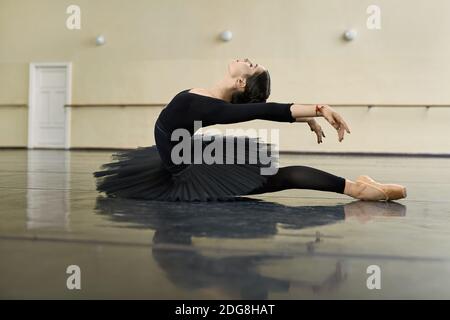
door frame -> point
(32, 100)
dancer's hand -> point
(314, 125)
(335, 119)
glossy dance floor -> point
(294, 244)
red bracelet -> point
(318, 109)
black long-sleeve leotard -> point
(187, 107)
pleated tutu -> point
(141, 173)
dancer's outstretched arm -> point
(216, 111)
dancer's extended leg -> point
(303, 177)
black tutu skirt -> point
(141, 173)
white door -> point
(48, 95)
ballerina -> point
(151, 172)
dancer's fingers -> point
(341, 122)
(347, 128)
(341, 132)
(319, 139)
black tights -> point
(302, 177)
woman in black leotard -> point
(153, 173)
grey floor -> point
(296, 244)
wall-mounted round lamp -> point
(100, 40)
(350, 35)
(226, 35)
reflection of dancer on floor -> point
(187, 266)
(151, 173)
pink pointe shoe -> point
(387, 192)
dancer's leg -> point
(302, 177)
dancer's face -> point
(241, 69)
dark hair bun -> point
(256, 90)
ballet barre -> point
(367, 105)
